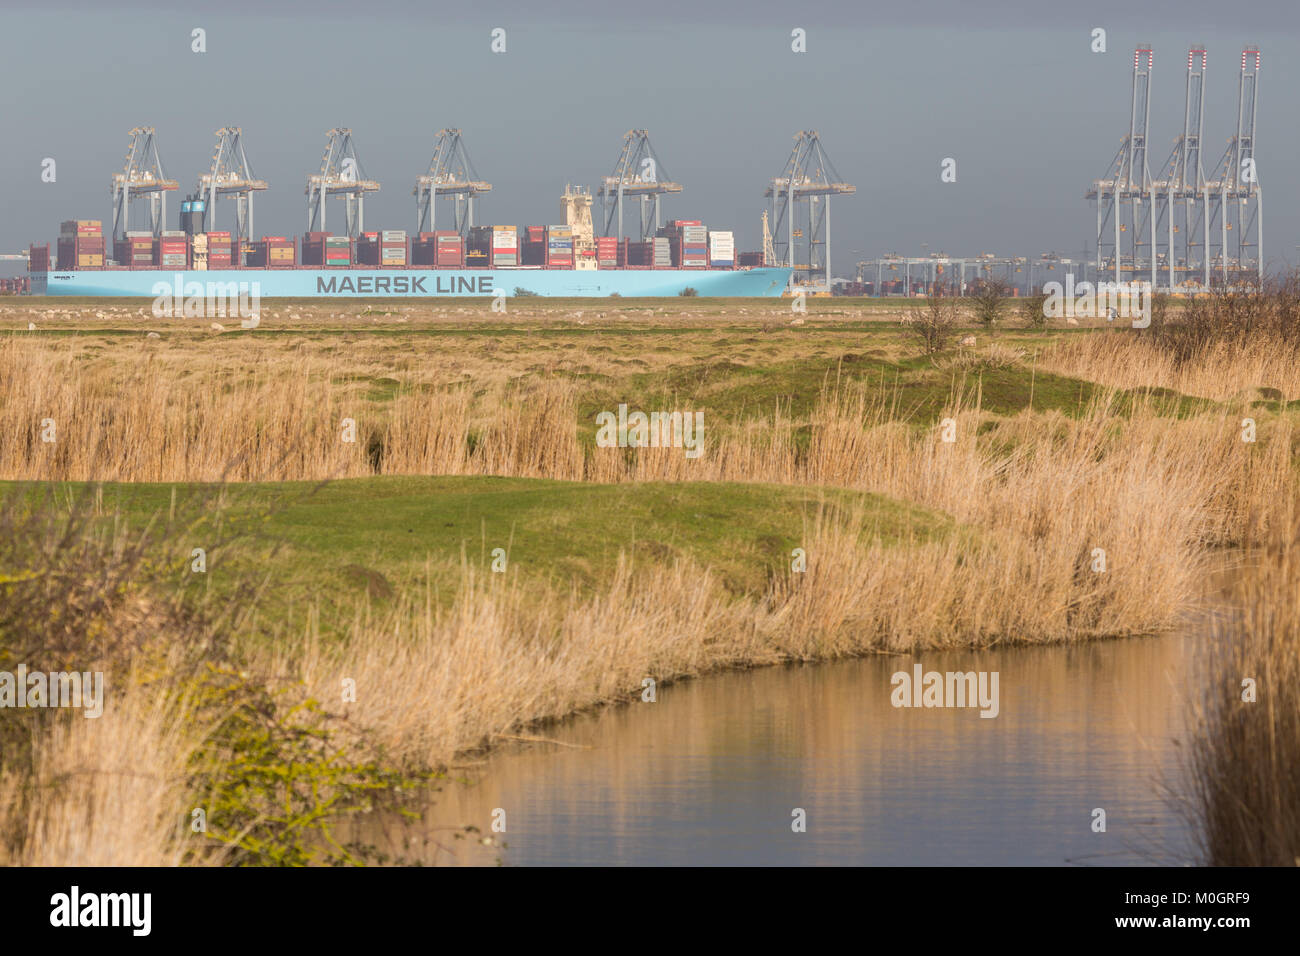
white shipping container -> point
(393, 235)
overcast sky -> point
(1008, 88)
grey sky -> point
(1008, 89)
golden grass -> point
(106, 791)
(1121, 360)
(434, 682)
(1244, 760)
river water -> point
(712, 772)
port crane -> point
(808, 177)
(638, 175)
(231, 175)
(1236, 203)
(1120, 194)
(340, 175)
(142, 177)
(1181, 200)
(450, 174)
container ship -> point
(683, 257)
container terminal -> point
(567, 258)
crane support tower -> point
(1123, 196)
(340, 175)
(1235, 200)
(451, 174)
(142, 177)
(638, 175)
(1181, 201)
(231, 175)
(808, 177)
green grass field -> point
(336, 542)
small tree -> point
(688, 291)
(990, 298)
(1033, 311)
(933, 321)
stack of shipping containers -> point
(722, 250)
(199, 252)
(636, 255)
(478, 249)
(559, 247)
(451, 249)
(532, 251)
(338, 252)
(688, 242)
(81, 244)
(442, 250)
(663, 252)
(368, 249)
(135, 251)
(505, 246)
(424, 249)
(682, 244)
(392, 248)
(280, 252)
(272, 252)
(38, 257)
(171, 249)
(607, 252)
(313, 248)
(386, 249)
(219, 251)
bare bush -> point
(933, 321)
(990, 300)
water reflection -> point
(710, 773)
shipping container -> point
(38, 257)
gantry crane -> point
(1234, 193)
(141, 177)
(638, 175)
(231, 175)
(340, 175)
(450, 174)
(808, 176)
(1123, 196)
(1181, 200)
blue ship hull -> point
(416, 283)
